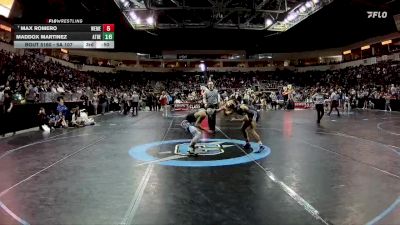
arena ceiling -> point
(213, 24)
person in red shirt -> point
(164, 103)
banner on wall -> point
(186, 106)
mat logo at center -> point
(209, 148)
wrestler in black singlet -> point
(251, 113)
(191, 118)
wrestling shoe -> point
(260, 149)
(247, 145)
(192, 151)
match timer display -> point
(72, 36)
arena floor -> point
(130, 170)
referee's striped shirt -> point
(211, 97)
(318, 98)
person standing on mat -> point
(192, 124)
(103, 102)
(164, 103)
(249, 119)
(135, 103)
(347, 105)
(211, 100)
(318, 98)
(335, 103)
(387, 102)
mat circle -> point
(141, 153)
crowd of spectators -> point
(30, 79)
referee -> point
(319, 104)
(211, 100)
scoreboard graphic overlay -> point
(72, 36)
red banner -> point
(186, 106)
(302, 105)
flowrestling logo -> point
(377, 14)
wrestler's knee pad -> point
(185, 124)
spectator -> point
(63, 112)
(8, 119)
(387, 102)
(103, 102)
(95, 103)
(135, 103)
(44, 120)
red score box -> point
(108, 27)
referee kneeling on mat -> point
(211, 100)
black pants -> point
(151, 106)
(103, 107)
(335, 105)
(289, 105)
(273, 105)
(212, 119)
(126, 107)
(135, 106)
(320, 111)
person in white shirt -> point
(393, 89)
(60, 89)
(335, 103)
(318, 98)
(80, 118)
(95, 103)
(263, 104)
(346, 106)
(274, 100)
(135, 103)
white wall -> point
(395, 57)
(368, 61)
(365, 62)
(172, 54)
(211, 69)
(104, 55)
(99, 69)
(242, 69)
(62, 62)
(313, 68)
(200, 52)
(373, 40)
(82, 67)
